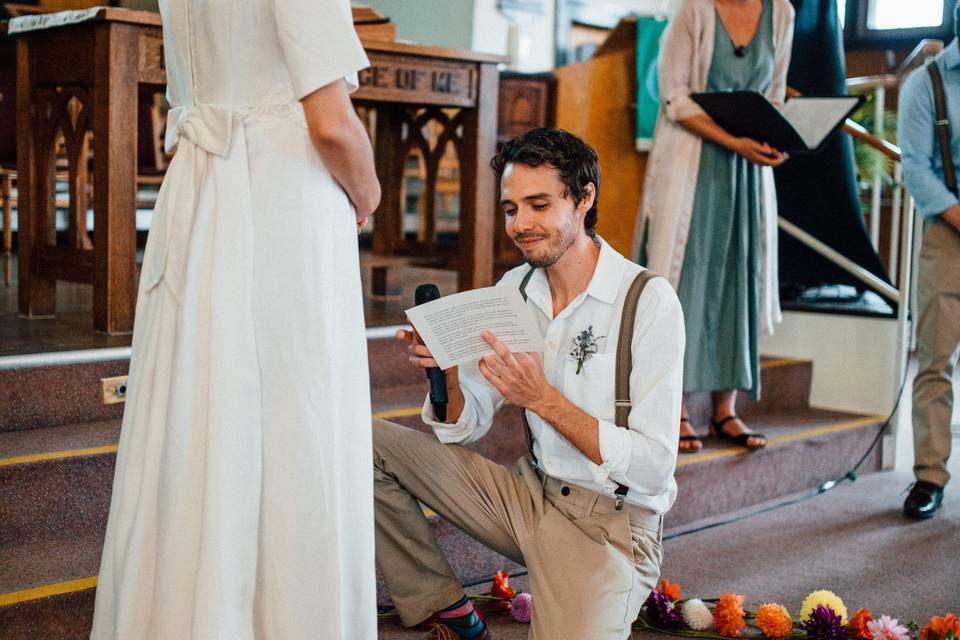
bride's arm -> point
(342, 142)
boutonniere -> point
(584, 346)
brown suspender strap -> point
(942, 127)
(624, 362)
(526, 425)
(624, 351)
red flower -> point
(858, 625)
(501, 588)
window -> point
(898, 14)
(895, 23)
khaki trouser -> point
(590, 567)
(938, 339)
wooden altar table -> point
(84, 78)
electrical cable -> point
(850, 475)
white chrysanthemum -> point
(697, 615)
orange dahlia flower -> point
(858, 625)
(940, 626)
(671, 589)
(728, 615)
(774, 621)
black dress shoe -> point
(923, 501)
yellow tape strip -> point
(112, 448)
(800, 434)
(47, 590)
(778, 362)
(398, 413)
(58, 455)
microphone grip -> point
(438, 392)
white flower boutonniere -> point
(584, 346)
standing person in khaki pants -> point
(929, 133)
(585, 513)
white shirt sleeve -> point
(481, 401)
(319, 43)
(644, 456)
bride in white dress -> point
(243, 497)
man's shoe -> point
(923, 501)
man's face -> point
(540, 220)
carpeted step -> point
(47, 587)
(56, 481)
(805, 449)
(784, 386)
(50, 396)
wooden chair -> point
(8, 153)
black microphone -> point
(438, 379)
(739, 51)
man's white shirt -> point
(642, 457)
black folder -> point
(749, 114)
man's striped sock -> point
(462, 619)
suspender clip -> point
(618, 502)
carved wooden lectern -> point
(83, 78)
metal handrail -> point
(892, 152)
(887, 291)
(885, 147)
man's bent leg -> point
(487, 501)
(590, 568)
(938, 337)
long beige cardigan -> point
(671, 181)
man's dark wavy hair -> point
(572, 157)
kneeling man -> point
(584, 514)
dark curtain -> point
(818, 192)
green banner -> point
(649, 30)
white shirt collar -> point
(604, 286)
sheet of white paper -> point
(451, 326)
(40, 21)
(814, 118)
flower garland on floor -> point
(823, 616)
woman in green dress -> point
(707, 205)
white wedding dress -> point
(243, 498)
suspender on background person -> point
(942, 127)
(624, 363)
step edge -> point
(786, 438)
(43, 591)
(67, 454)
(86, 356)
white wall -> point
(526, 38)
(445, 23)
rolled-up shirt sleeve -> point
(643, 457)
(918, 144)
(480, 402)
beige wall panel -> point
(593, 101)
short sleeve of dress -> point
(319, 43)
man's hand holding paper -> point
(451, 327)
